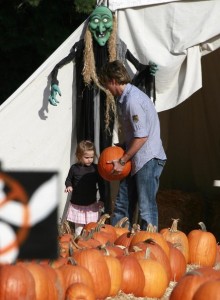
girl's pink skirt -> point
(84, 214)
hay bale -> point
(176, 204)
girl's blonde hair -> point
(84, 146)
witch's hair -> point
(89, 70)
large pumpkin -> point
(156, 280)
(191, 282)
(41, 279)
(105, 168)
(208, 290)
(76, 274)
(177, 237)
(202, 247)
(115, 271)
(94, 261)
(79, 290)
(16, 282)
(133, 279)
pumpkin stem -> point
(103, 218)
(85, 235)
(62, 249)
(135, 228)
(103, 247)
(126, 252)
(98, 227)
(136, 248)
(75, 245)
(202, 225)
(64, 228)
(174, 225)
(123, 221)
(151, 228)
(91, 233)
(72, 261)
(147, 253)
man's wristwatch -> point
(121, 162)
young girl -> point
(82, 181)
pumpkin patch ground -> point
(148, 246)
(116, 263)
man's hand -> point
(117, 167)
(153, 68)
(53, 93)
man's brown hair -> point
(114, 70)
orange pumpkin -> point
(101, 237)
(107, 231)
(177, 263)
(74, 273)
(94, 261)
(105, 168)
(85, 240)
(41, 280)
(157, 251)
(208, 290)
(156, 280)
(132, 276)
(115, 271)
(16, 282)
(177, 237)
(202, 247)
(92, 225)
(191, 282)
(150, 233)
(56, 283)
(125, 239)
(81, 291)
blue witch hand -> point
(153, 68)
(53, 93)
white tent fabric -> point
(119, 4)
(37, 136)
(174, 36)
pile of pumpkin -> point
(105, 261)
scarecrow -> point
(100, 45)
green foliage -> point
(83, 6)
(33, 2)
(29, 35)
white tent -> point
(174, 34)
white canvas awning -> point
(173, 35)
(121, 4)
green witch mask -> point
(101, 24)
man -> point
(141, 128)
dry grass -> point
(123, 296)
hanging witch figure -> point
(99, 46)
